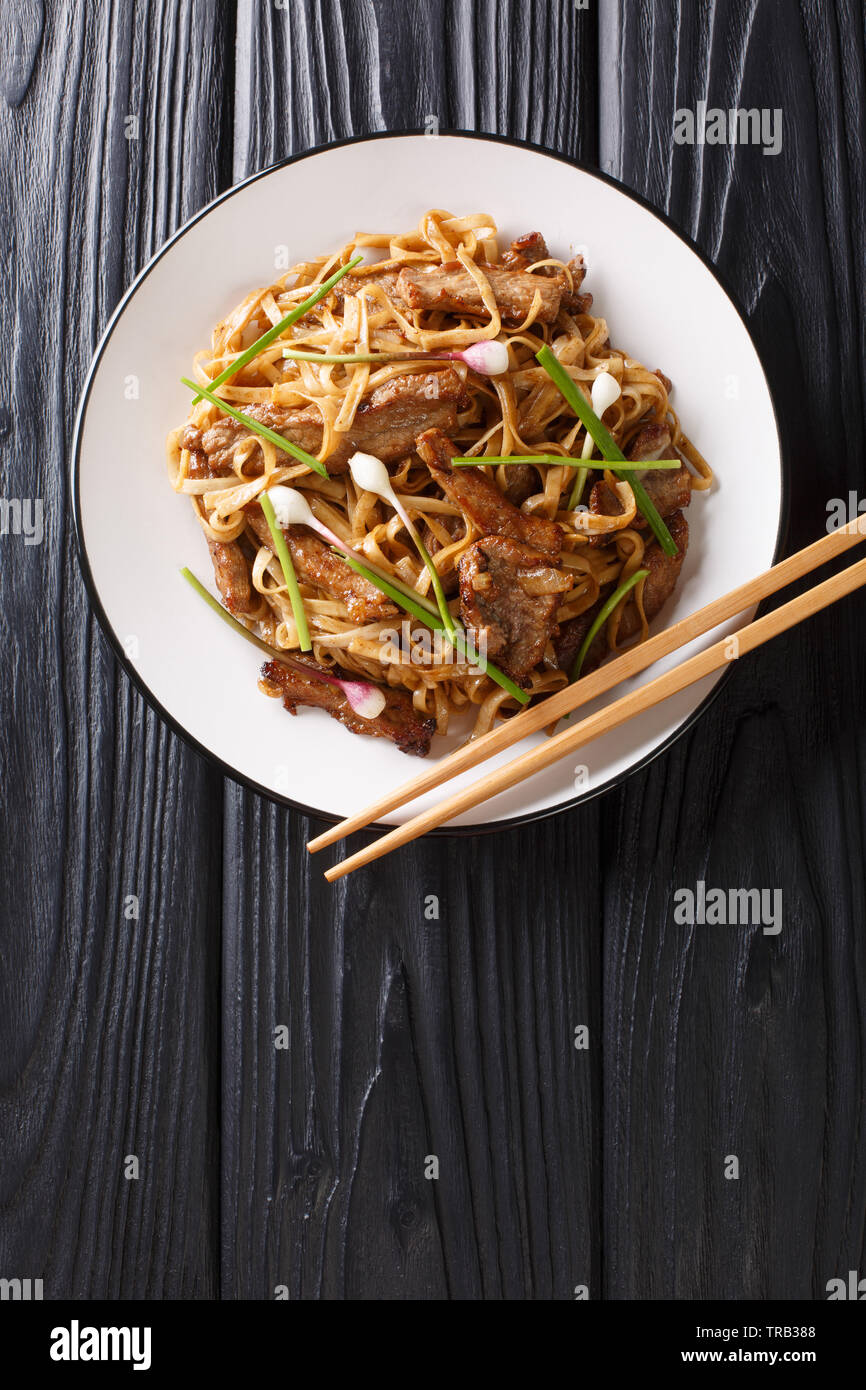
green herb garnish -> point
(482, 460)
(285, 559)
(607, 444)
(426, 603)
(601, 618)
(294, 356)
(255, 428)
(456, 636)
(267, 338)
(577, 490)
(359, 694)
(227, 617)
(439, 592)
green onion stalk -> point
(457, 636)
(607, 445)
(602, 616)
(365, 697)
(282, 552)
(279, 328)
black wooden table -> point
(303, 1169)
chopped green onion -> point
(267, 338)
(577, 490)
(636, 465)
(293, 509)
(411, 605)
(489, 358)
(227, 617)
(606, 443)
(426, 603)
(253, 425)
(285, 559)
(366, 697)
(579, 404)
(601, 618)
(482, 460)
(457, 637)
(441, 600)
(353, 356)
(370, 474)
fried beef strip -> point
(232, 574)
(352, 284)
(510, 580)
(398, 721)
(212, 448)
(509, 594)
(669, 490)
(571, 635)
(530, 248)
(651, 442)
(385, 424)
(315, 562)
(452, 289)
(664, 571)
(480, 498)
(524, 251)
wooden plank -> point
(320, 70)
(108, 1033)
(723, 1040)
(410, 1036)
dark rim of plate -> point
(90, 584)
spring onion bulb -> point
(291, 508)
(365, 698)
(605, 391)
(608, 447)
(489, 358)
(281, 551)
(370, 475)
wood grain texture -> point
(108, 1033)
(718, 1040)
(412, 1034)
(410, 1037)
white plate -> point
(664, 305)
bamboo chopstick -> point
(553, 707)
(612, 716)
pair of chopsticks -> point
(554, 707)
